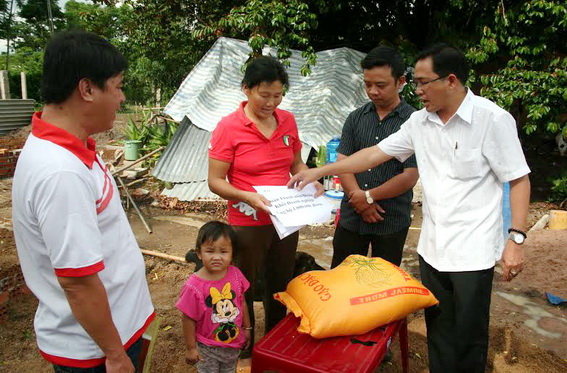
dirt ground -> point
(527, 333)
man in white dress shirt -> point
(466, 148)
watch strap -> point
(518, 231)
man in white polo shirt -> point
(466, 148)
(76, 249)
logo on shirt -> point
(224, 313)
(286, 140)
(210, 146)
(246, 209)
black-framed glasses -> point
(416, 84)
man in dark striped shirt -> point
(377, 204)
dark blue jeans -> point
(133, 353)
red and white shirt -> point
(69, 222)
(255, 160)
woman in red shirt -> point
(257, 145)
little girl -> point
(216, 323)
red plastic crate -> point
(285, 350)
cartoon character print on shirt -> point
(224, 313)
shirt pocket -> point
(466, 164)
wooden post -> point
(4, 85)
(24, 86)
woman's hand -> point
(319, 189)
(257, 201)
(192, 356)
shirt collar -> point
(464, 111)
(49, 132)
(370, 108)
(247, 121)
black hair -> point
(74, 55)
(265, 69)
(447, 60)
(385, 56)
(212, 231)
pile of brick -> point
(8, 159)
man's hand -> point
(357, 199)
(372, 214)
(192, 356)
(304, 177)
(119, 364)
(512, 261)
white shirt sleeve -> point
(65, 206)
(400, 144)
(503, 150)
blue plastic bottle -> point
(332, 149)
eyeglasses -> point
(416, 84)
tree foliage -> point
(279, 24)
(4, 18)
(33, 30)
(526, 43)
(517, 47)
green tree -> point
(161, 48)
(522, 58)
(280, 24)
(4, 18)
(35, 28)
(106, 21)
(29, 61)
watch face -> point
(517, 238)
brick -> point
(4, 296)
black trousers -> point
(388, 247)
(457, 329)
(262, 253)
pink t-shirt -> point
(255, 160)
(216, 307)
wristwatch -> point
(517, 236)
(368, 197)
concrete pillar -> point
(24, 86)
(4, 85)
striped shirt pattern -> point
(363, 128)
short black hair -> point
(212, 231)
(447, 60)
(265, 69)
(385, 56)
(74, 55)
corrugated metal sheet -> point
(320, 102)
(185, 158)
(15, 114)
(191, 191)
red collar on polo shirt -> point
(56, 135)
(247, 121)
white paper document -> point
(292, 209)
